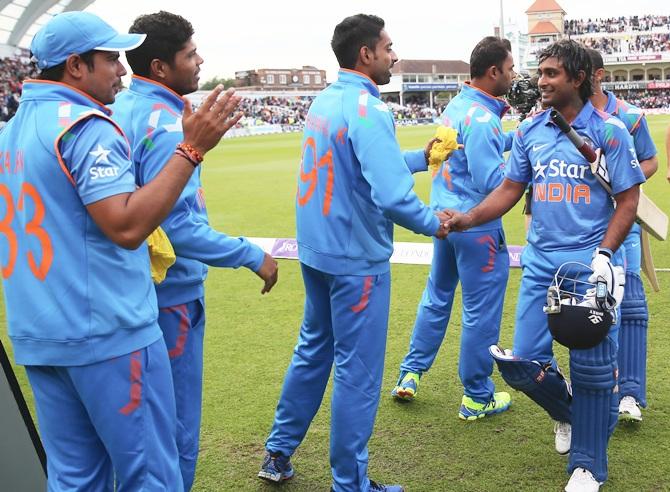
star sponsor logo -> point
(102, 172)
(539, 169)
(634, 163)
(100, 154)
(560, 168)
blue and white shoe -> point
(276, 468)
(407, 386)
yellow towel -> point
(161, 255)
(443, 148)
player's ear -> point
(365, 55)
(157, 68)
(75, 66)
(493, 72)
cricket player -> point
(165, 68)
(353, 185)
(477, 258)
(574, 219)
(81, 307)
(632, 358)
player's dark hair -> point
(167, 34)
(574, 58)
(352, 34)
(490, 51)
(596, 59)
(56, 73)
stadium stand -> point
(617, 24)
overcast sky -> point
(252, 34)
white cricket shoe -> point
(629, 410)
(582, 481)
(563, 431)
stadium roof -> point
(544, 6)
(431, 66)
(21, 19)
(544, 27)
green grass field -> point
(250, 189)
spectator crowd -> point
(12, 73)
(275, 110)
(642, 43)
(642, 23)
(647, 99)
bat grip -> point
(582, 146)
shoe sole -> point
(627, 417)
(472, 418)
(274, 477)
(403, 395)
(563, 453)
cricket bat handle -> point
(582, 146)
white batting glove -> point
(603, 271)
(589, 299)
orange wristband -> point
(190, 151)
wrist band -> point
(183, 154)
(605, 251)
(189, 150)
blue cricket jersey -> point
(571, 210)
(73, 297)
(636, 124)
(470, 174)
(150, 114)
(354, 182)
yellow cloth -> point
(161, 255)
(443, 147)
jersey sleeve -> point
(483, 145)
(509, 139)
(620, 156)
(415, 160)
(97, 156)
(518, 167)
(189, 232)
(644, 145)
(383, 167)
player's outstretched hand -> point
(443, 230)
(204, 128)
(457, 221)
(268, 272)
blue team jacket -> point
(73, 297)
(150, 114)
(353, 182)
(470, 174)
